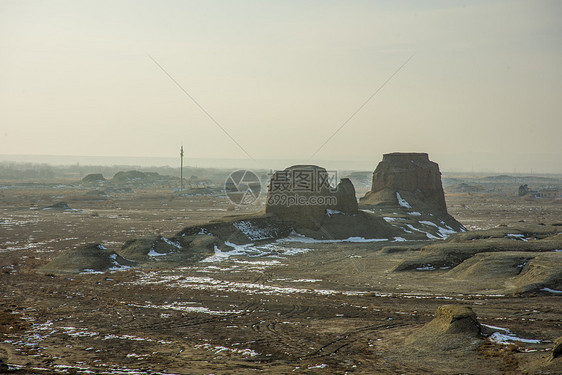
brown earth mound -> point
(59, 206)
(515, 263)
(453, 327)
(340, 226)
(521, 232)
(240, 230)
(87, 258)
(542, 274)
(556, 349)
(491, 265)
(177, 249)
(452, 252)
(94, 178)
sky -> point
(481, 88)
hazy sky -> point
(282, 76)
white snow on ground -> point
(188, 307)
(209, 283)
(295, 237)
(444, 232)
(501, 338)
(279, 249)
(89, 270)
(431, 236)
(552, 290)
(415, 213)
(219, 349)
(390, 219)
(272, 250)
(414, 228)
(517, 236)
(399, 239)
(402, 202)
(253, 232)
(323, 365)
(116, 265)
(153, 253)
(304, 281)
(427, 267)
(505, 336)
(331, 212)
(172, 243)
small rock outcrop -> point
(556, 349)
(346, 199)
(92, 257)
(59, 206)
(407, 180)
(453, 327)
(93, 178)
(180, 249)
(452, 319)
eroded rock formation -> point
(303, 193)
(454, 327)
(408, 180)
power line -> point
(201, 107)
(361, 107)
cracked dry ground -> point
(316, 312)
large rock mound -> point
(304, 196)
(301, 194)
(407, 179)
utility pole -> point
(181, 169)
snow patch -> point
(219, 349)
(427, 267)
(296, 237)
(253, 232)
(506, 336)
(188, 307)
(501, 338)
(402, 202)
(331, 212)
(153, 253)
(552, 290)
(172, 243)
(444, 232)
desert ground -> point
(291, 306)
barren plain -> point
(291, 306)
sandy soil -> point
(330, 308)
